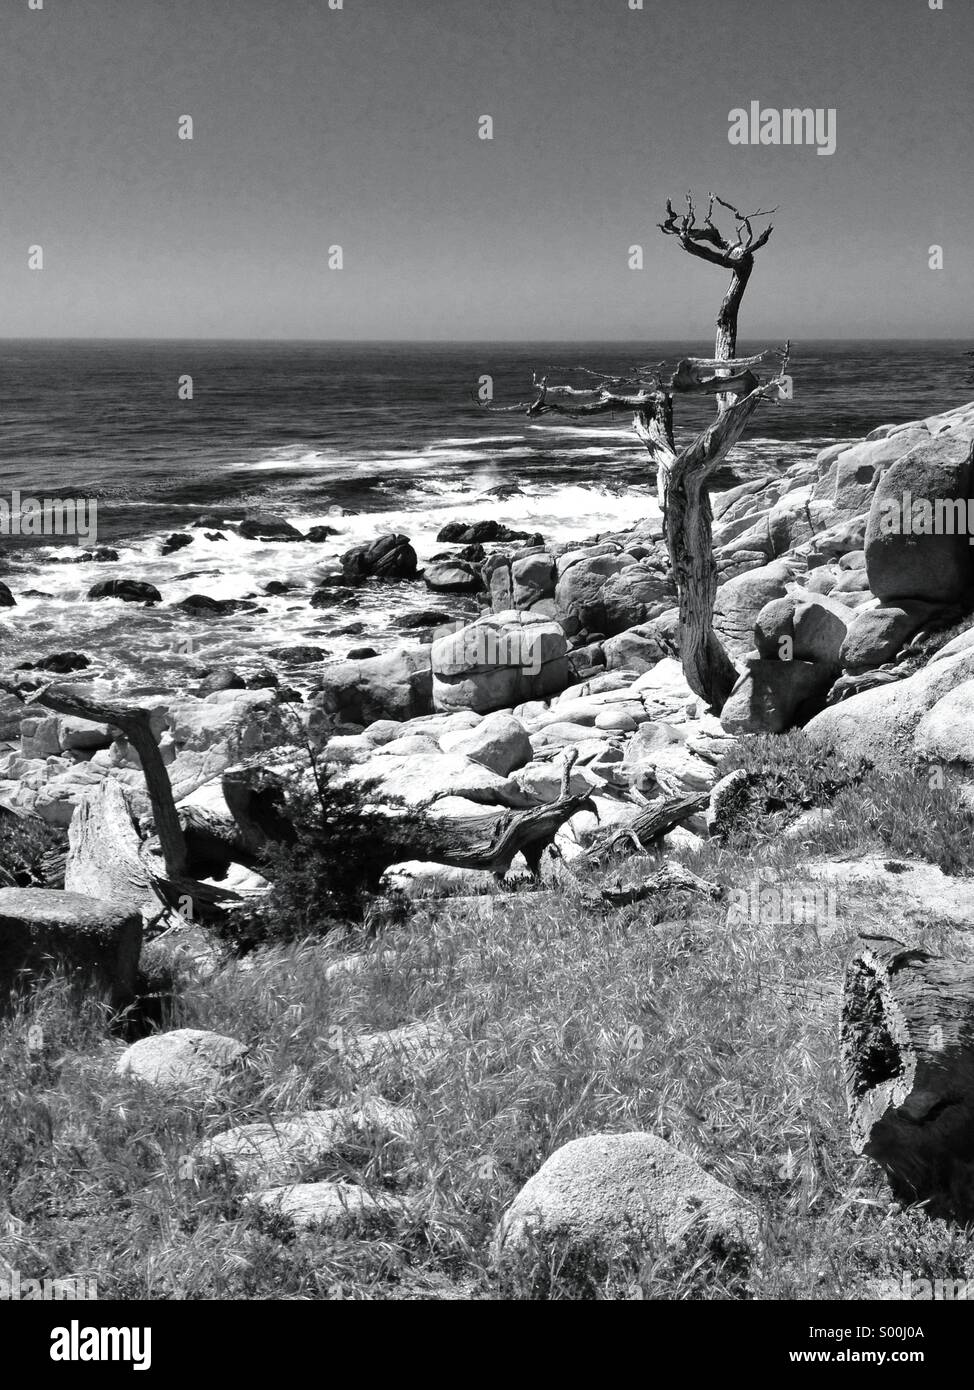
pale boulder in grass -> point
(337, 1207)
(185, 1060)
(616, 1187)
(268, 1154)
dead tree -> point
(683, 474)
(136, 724)
(708, 244)
(908, 1057)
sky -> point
(315, 127)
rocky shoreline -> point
(577, 649)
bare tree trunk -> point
(725, 343)
(908, 1057)
(135, 723)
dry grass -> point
(721, 1037)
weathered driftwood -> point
(104, 849)
(136, 724)
(256, 796)
(490, 842)
(908, 1057)
(656, 820)
(669, 877)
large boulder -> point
(128, 590)
(774, 695)
(880, 724)
(740, 600)
(619, 1187)
(499, 742)
(389, 557)
(499, 661)
(805, 626)
(637, 594)
(637, 649)
(262, 526)
(7, 599)
(41, 927)
(532, 577)
(580, 585)
(458, 577)
(396, 685)
(945, 734)
(917, 539)
(190, 1060)
(876, 633)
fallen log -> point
(490, 842)
(136, 724)
(669, 877)
(658, 819)
(907, 1051)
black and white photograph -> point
(487, 668)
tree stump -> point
(908, 1058)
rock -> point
(773, 695)
(615, 1187)
(500, 742)
(500, 585)
(427, 617)
(360, 653)
(850, 582)
(177, 541)
(880, 724)
(805, 626)
(414, 1046)
(498, 662)
(202, 606)
(220, 680)
(262, 526)
(842, 537)
(317, 534)
(581, 582)
(637, 649)
(41, 927)
(945, 734)
(297, 655)
(876, 634)
(60, 662)
(7, 599)
(338, 1207)
(458, 578)
(532, 578)
(288, 1148)
(418, 778)
(932, 563)
(82, 734)
(188, 1060)
(396, 685)
(470, 533)
(128, 590)
(740, 600)
(617, 721)
(389, 557)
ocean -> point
(366, 438)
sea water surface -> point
(366, 438)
